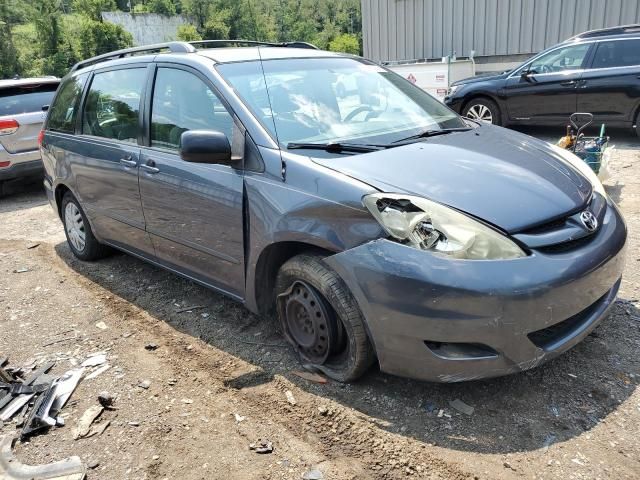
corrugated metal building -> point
(502, 30)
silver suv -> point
(23, 105)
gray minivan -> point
(377, 223)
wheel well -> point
(59, 193)
(268, 265)
(475, 97)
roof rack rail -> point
(601, 32)
(251, 43)
(174, 47)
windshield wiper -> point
(336, 147)
(432, 133)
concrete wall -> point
(417, 29)
(147, 27)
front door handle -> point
(568, 83)
(128, 161)
(150, 167)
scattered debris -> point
(98, 371)
(151, 347)
(32, 245)
(461, 407)
(105, 399)
(94, 360)
(430, 407)
(261, 446)
(290, 398)
(101, 325)
(572, 375)
(70, 468)
(93, 464)
(21, 270)
(87, 419)
(314, 474)
(188, 401)
(134, 424)
(189, 309)
(312, 377)
(239, 418)
(99, 429)
(44, 413)
(145, 384)
(323, 410)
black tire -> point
(478, 105)
(356, 354)
(637, 124)
(93, 250)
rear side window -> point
(620, 53)
(113, 105)
(26, 99)
(62, 114)
(181, 102)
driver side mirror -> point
(206, 146)
(527, 75)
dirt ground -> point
(217, 381)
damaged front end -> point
(436, 311)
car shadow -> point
(526, 411)
(20, 195)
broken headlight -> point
(430, 226)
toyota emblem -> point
(589, 220)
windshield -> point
(329, 100)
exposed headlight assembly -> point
(452, 89)
(430, 226)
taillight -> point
(7, 127)
(5, 164)
(40, 137)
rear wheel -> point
(321, 319)
(482, 109)
(80, 238)
(637, 124)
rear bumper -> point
(23, 164)
(31, 168)
(446, 320)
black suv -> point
(596, 72)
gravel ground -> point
(218, 380)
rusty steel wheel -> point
(321, 319)
(310, 323)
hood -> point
(480, 78)
(502, 177)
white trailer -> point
(435, 77)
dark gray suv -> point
(375, 222)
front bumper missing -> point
(422, 310)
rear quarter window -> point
(617, 53)
(26, 98)
(62, 114)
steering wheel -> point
(544, 68)
(357, 111)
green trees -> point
(46, 37)
(321, 22)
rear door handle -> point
(568, 83)
(128, 161)
(150, 167)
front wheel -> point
(482, 109)
(78, 231)
(321, 319)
